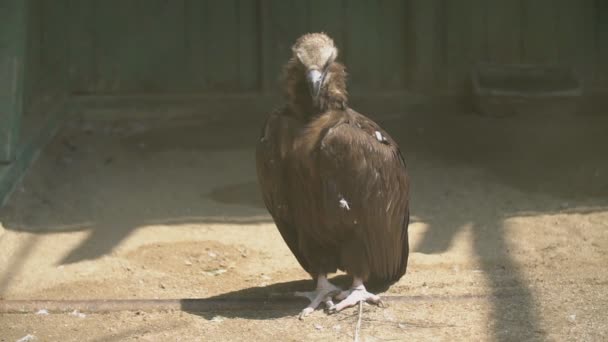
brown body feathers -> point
(334, 182)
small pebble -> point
(318, 327)
(43, 312)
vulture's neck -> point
(333, 94)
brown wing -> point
(274, 144)
(365, 193)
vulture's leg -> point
(357, 293)
(324, 293)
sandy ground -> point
(509, 237)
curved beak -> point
(315, 82)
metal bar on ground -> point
(282, 302)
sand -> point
(509, 239)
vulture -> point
(334, 182)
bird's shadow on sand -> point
(261, 302)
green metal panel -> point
(139, 45)
(458, 61)
(427, 43)
(477, 33)
(33, 45)
(602, 43)
(160, 46)
(448, 37)
(249, 42)
(504, 31)
(237, 46)
(222, 54)
(222, 43)
(391, 38)
(157, 46)
(282, 22)
(364, 56)
(13, 32)
(82, 50)
(538, 32)
(46, 80)
(328, 16)
(575, 34)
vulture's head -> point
(314, 63)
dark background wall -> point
(194, 46)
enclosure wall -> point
(159, 46)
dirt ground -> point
(509, 237)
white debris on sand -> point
(27, 338)
(78, 314)
(215, 272)
(217, 319)
(42, 312)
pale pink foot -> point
(352, 297)
(323, 294)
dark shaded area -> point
(287, 305)
(107, 178)
(243, 193)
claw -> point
(307, 311)
(356, 294)
(323, 294)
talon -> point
(329, 303)
(356, 294)
(323, 294)
(332, 310)
(307, 311)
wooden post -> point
(13, 35)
